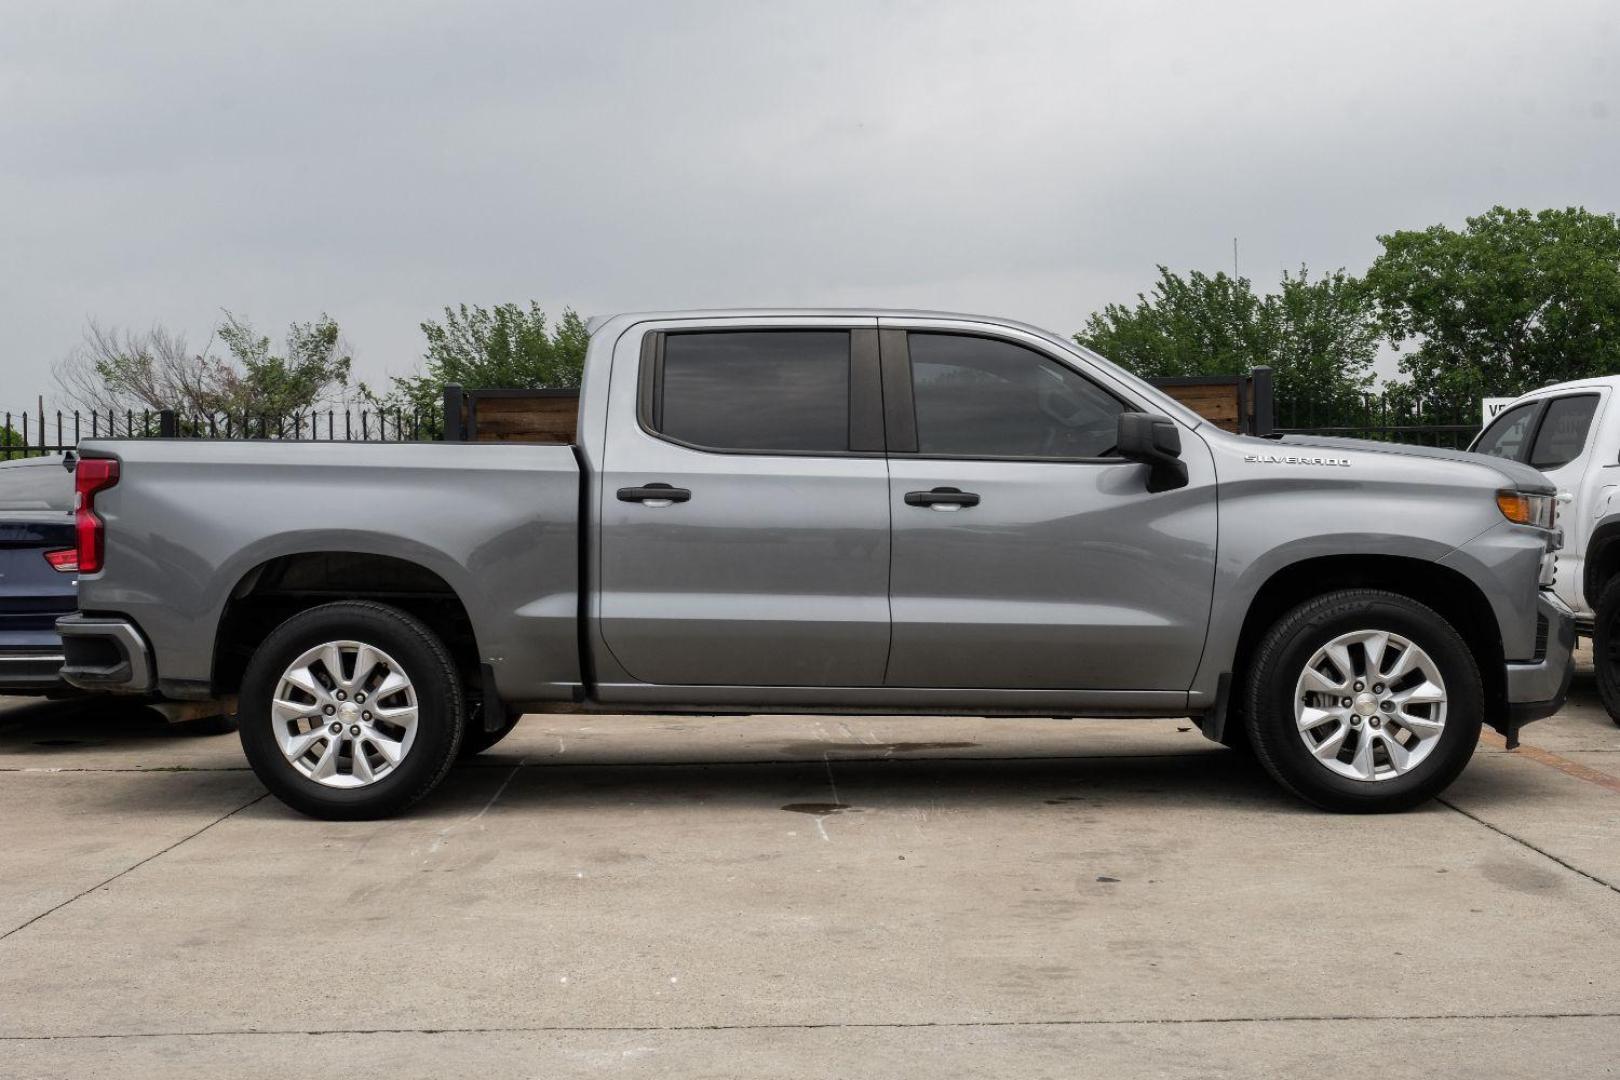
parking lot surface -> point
(804, 895)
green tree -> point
(1320, 336)
(154, 369)
(1513, 301)
(12, 445)
(506, 346)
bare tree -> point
(117, 370)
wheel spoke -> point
(1399, 756)
(390, 749)
(1330, 746)
(284, 710)
(1362, 760)
(1411, 656)
(1420, 726)
(305, 680)
(358, 762)
(1313, 718)
(404, 716)
(1424, 693)
(296, 746)
(327, 766)
(1340, 655)
(1374, 645)
(332, 658)
(366, 660)
(1319, 682)
(392, 683)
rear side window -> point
(1508, 433)
(1562, 435)
(765, 390)
(979, 397)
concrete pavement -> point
(790, 896)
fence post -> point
(453, 431)
(1264, 420)
(168, 424)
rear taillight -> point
(65, 560)
(91, 476)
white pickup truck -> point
(1571, 433)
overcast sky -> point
(161, 161)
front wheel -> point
(1364, 701)
(1606, 647)
(350, 711)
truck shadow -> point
(849, 786)
(40, 725)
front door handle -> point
(942, 498)
(654, 495)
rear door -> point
(745, 513)
(1027, 555)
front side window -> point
(981, 397)
(1508, 433)
(782, 390)
(1562, 435)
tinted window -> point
(1562, 435)
(1506, 436)
(757, 390)
(977, 397)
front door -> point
(1027, 555)
(744, 507)
(1559, 450)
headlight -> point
(1526, 509)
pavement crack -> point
(541, 1029)
(133, 867)
(1543, 852)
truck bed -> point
(190, 522)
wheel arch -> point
(1447, 590)
(1602, 560)
(276, 588)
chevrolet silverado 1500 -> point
(828, 511)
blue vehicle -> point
(39, 572)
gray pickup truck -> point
(828, 511)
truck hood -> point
(1516, 473)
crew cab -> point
(828, 511)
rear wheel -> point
(1606, 647)
(1364, 701)
(351, 710)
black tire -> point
(1606, 647)
(1275, 671)
(440, 709)
(476, 740)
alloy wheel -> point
(1370, 705)
(344, 714)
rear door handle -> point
(942, 498)
(654, 495)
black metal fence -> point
(42, 431)
(1392, 416)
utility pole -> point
(1234, 258)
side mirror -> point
(1155, 441)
